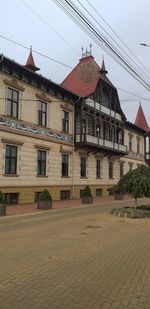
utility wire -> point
(89, 28)
(58, 62)
(112, 38)
(117, 35)
(35, 51)
(46, 23)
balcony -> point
(102, 108)
(90, 140)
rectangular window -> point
(121, 169)
(98, 192)
(98, 168)
(12, 102)
(130, 143)
(41, 163)
(65, 195)
(83, 166)
(110, 169)
(65, 122)
(11, 159)
(42, 114)
(36, 196)
(65, 165)
(11, 198)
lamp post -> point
(145, 45)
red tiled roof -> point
(84, 78)
(140, 120)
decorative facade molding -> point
(63, 150)
(66, 107)
(42, 147)
(14, 84)
(26, 128)
(11, 142)
(43, 96)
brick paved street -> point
(81, 258)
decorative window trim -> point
(65, 106)
(13, 83)
(67, 151)
(42, 96)
(41, 147)
(11, 142)
(83, 154)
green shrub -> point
(87, 191)
(2, 198)
(45, 196)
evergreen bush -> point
(87, 191)
(45, 196)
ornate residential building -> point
(63, 137)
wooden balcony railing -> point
(103, 109)
(100, 142)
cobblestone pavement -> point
(81, 258)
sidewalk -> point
(31, 208)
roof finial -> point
(82, 50)
(103, 69)
(91, 48)
(30, 64)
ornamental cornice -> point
(13, 83)
(34, 130)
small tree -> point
(87, 191)
(136, 183)
(45, 196)
(87, 196)
(45, 200)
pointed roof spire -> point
(140, 120)
(30, 64)
(103, 69)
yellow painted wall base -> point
(27, 194)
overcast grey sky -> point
(130, 19)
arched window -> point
(97, 129)
(120, 137)
(90, 125)
(112, 134)
(107, 131)
(105, 97)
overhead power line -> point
(89, 28)
(59, 62)
(118, 37)
(47, 24)
(139, 68)
(35, 51)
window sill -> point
(82, 177)
(11, 175)
(65, 176)
(42, 176)
(98, 177)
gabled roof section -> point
(30, 64)
(84, 78)
(140, 120)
